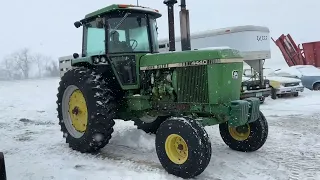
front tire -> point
(86, 109)
(247, 138)
(183, 147)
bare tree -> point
(39, 59)
(52, 68)
(20, 63)
(10, 69)
(22, 60)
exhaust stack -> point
(184, 27)
(172, 39)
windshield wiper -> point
(121, 21)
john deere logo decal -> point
(235, 74)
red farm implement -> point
(306, 54)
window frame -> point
(85, 34)
(152, 39)
(105, 18)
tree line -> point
(24, 64)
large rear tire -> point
(247, 138)
(3, 174)
(183, 147)
(86, 110)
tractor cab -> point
(118, 35)
(120, 29)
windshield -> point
(129, 34)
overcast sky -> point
(47, 26)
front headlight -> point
(300, 84)
(244, 88)
(96, 60)
(103, 60)
(267, 85)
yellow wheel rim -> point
(78, 111)
(240, 133)
(176, 149)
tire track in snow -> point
(297, 146)
(299, 167)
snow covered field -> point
(35, 150)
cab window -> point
(95, 42)
(128, 34)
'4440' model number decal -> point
(204, 62)
(200, 62)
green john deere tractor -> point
(121, 75)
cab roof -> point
(116, 7)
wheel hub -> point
(176, 149)
(78, 111)
(75, 111)
(240, 133)
(180, 147)
(242, 129)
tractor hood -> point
(193, 57)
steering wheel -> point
(134, 42)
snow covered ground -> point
(35, 150)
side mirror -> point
(75, 55)
(77, 24)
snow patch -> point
(291, 150)
(215, 48)
(98, 137)
(99, 102)
(135, 138)
(283, 79)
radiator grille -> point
(192, 84)
(291, 84)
